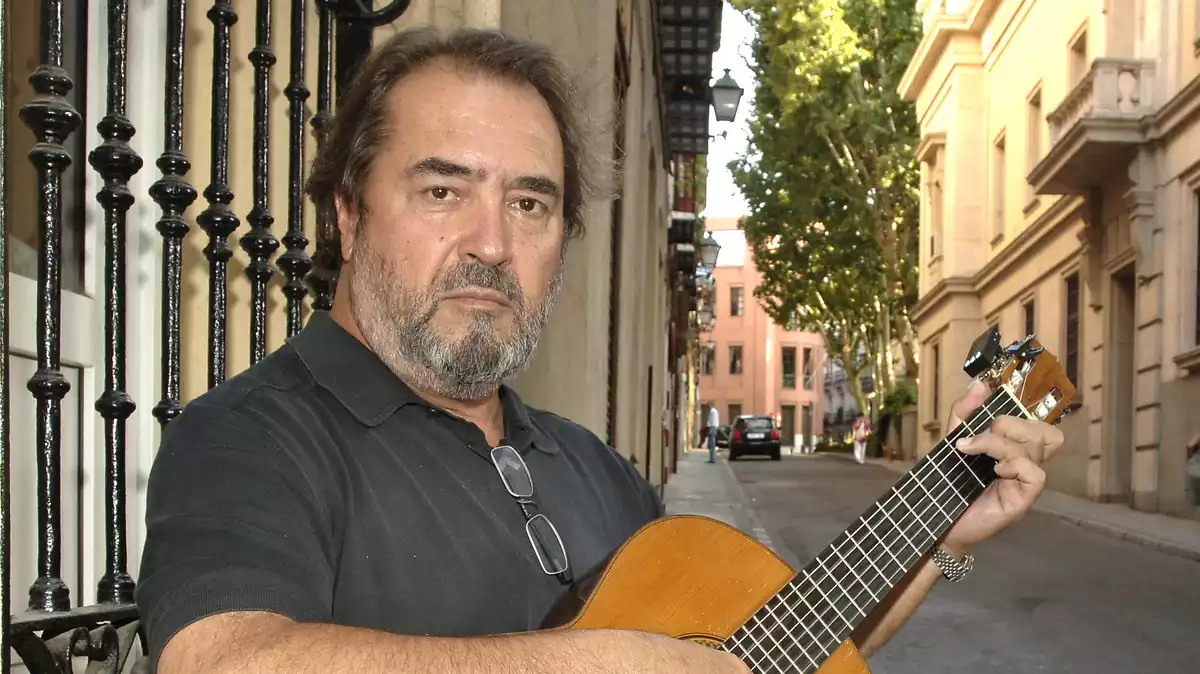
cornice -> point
(1056, 217)
(939, 293)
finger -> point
(1023, 470)
(962, 408)
(996, 446)
(1041, 439)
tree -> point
(831, 177)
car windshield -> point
(756, 424)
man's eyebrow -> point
(443, 167)
(539, 184)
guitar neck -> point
(818, 609)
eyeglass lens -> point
(513, 471)
(547, 544)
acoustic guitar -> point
(698, 579)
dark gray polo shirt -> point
(317, 485)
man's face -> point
(456, 263)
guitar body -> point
(692, 578)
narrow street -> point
(1045, 596)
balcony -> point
(1095, 131)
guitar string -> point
(829, 574)
(944, 451)
(882, 543)
(769, 652)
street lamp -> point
(706, 317)
(709, 249)
(726, 94)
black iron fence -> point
(45, 631)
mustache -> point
(476, 275)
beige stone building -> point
(609, 359)
(1060, 160)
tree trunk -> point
(908, 344)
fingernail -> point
(964, 443)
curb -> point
(1123, 534)
(1135, 537)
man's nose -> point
(487, 237)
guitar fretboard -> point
(816, 611)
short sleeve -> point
(233, 523)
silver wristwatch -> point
(954, 570)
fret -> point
(837, 551)
(771, 636)
(836, 589)
(786, 636)
(845, 570)
(813, 639)
(896, 524)
(887, 580)
(842, 590)
(933, 499)
(946, 479)
(886, 548)
(817, 615)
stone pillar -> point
(1146, 237)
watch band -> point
(954, 570)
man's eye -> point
(530, 205)
(440, 193)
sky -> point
(723, 198)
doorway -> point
(806, 426)
(1116, 466)
(787, 425)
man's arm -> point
(264, 643)
(1019, 446)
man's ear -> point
(347, 224)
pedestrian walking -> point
(714, 419)
(861, 430)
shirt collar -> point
(364, 384)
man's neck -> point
(486, 413)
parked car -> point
(754, 435)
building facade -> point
(748, 363)
(197, 305)
(1060, 160)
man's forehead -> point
(486, 123)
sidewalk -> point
(712, 490)
(1172, 535)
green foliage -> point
(830, 172)
(902, 396)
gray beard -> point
(397, 323)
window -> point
(788, 362)
(708, 359)
(1079, 56)
(808, 373)
(934, 188)
(1034, 143)
(736, 301)
(998, 193)
(735, 411)
(937, 376)
(735, 359)
(1030, 323)
(1071, 352)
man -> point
(349, 504)
(714, 420)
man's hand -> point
(1019, 446)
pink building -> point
(748, 363)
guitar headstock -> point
(1031, 374)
